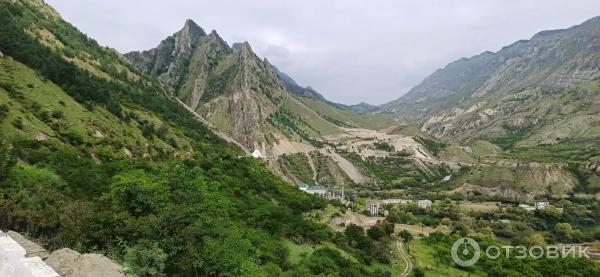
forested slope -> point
(95, 156)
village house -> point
(303, 187)
(335, 194)
(395, 201)
(317, 190)
(538, 205)
(526, 207)
(374, 209)
(424, 203)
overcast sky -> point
(349, 50)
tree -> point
(382, 229)
(145, 259)
(534, 239)
(3, 111)
(564, 232)
(418, 272)
(138, 193)
(461, 229)
(7, 158)
(353, 232)
(550, 214)
(376, 232)
(406, 237)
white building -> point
(317, 190)
(526, 207)
(538, 205)
(256, 154)
(335, 194)
(424, 203)
(374, 209)
(395, 201)
(303, 187)
(13, 261)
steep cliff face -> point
(243, 95)
(232, 88)
(211, 50)
(257, 105)
(240, 95)
(169, 61)
(537, 89)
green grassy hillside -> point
(96, 156)
(345, 118)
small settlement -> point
(377, 207)
(333, 193)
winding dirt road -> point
(406, 259)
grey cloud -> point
(349, 50)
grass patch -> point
(298, 165)
(298, 251)
(426, 258)
(432, 145)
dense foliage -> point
(433, 146)
(577, 153)
(293, 126)
(503, 266)
(190, 209)
(397, 170)
(299, 166)
(80, 84)
(206, 213)
(572, 223)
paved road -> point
(406, 259)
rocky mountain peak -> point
(216, 38)
(242, 46)
(499, 94)
(190, 23)
(236, 46)
(186, 37)
(192, 29)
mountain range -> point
(250, 100)
(542, 90)
(508, 98)
(146, 156)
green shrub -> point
(145, 259)
(3, 111)
(18, 123)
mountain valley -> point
(166, 160)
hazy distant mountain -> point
(361, 108)
(292, 86)
(542, 90)
(295, 88)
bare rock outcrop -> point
(32, 249)
(70, 263)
